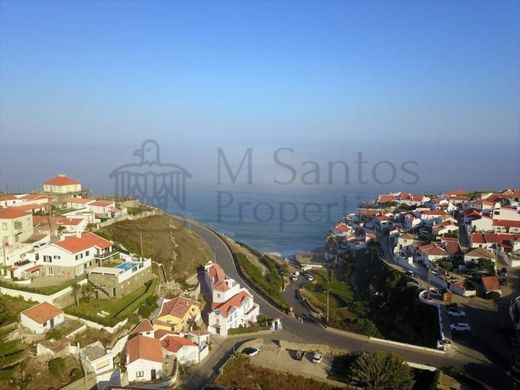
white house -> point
(9, 200)
(15, 227)
(479, 253)
(144, 359)
(232, 306)
(61, 184)
(185, 350)
(102, 207)
(483, 224)
(74, 255)
(42, 317)
(76, 203)
(430, 252)
(97, 358)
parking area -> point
(274, 357)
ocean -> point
(281, 222)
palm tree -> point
(381, 371)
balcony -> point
(105, 255)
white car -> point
(294, 277)
(251, 351)
(309, 277)
(317, 357)
(461, 327)
(456, 313)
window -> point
(50, 271)
(4, 226)
(77, 257)
(86, 253)
(139, 374)
(17, 225)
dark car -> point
(504, 272)
(299, 355)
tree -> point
(87, 291)
(381, 371)
(4, 312)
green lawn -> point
(13, 307)
(47, 290)
(119, 309)
(269, 284)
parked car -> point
(454, 312)
(410, 273)
(317, 357)
(250, 351)
(294, 277)
(461, 327)
(309, 277)
(435, 292)
(504, 272)
(299, 355)
(297, 273)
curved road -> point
(293, 330)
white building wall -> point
(144, 366)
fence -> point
(128, 217)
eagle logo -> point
(151, 181)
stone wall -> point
(110, 283)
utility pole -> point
(328, 306)
(141, 246)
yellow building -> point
(177, 314)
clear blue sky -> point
(433, 79)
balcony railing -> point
(105, 255)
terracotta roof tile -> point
(61, 180)
(42, 312)
(178, 307)
(87, 240)
(142, 347)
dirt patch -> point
(165, 240)
(242, 374)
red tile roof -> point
(12, 213)
(35, 268)
(434, 212)
(86, 241)
(101, 203)
(480, 253)
(342, 227)
(42, 312)
(146, 348)
(161, 333)
(143, 327)
(490, 283)
(8, 197)
(433, 250)
(386, 198)
(77, 200)
(178, 307)
(506, 223)
(234, 301)
(216, 273)
(61, 180)
(174, 343)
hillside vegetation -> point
(165, 240)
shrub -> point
(54, 334)
(56, 366)
(75, 374)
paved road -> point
(474, 363)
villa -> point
(177, 314)
(61, 184)
(232, 306)
(74, 255)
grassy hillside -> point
(165, 240)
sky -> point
(83, 84)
